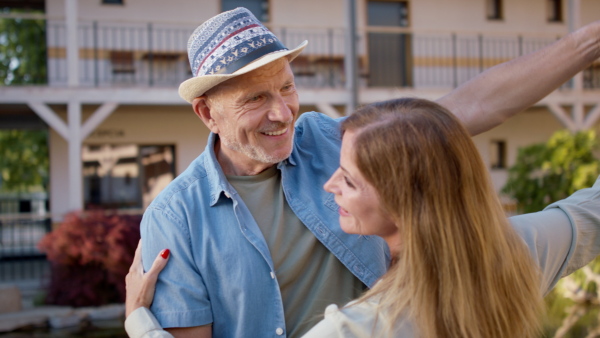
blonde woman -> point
(410, 173)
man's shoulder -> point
(317, 124)
(317, 143)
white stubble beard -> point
(257, 153)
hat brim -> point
(197, 86)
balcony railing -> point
(154, 55)
(24, 221)
(20, 258)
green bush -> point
(548, 172)
(545, 173)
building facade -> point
(119, 131)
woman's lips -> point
(343, 212)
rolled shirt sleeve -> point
(181, 298)
(565, 236)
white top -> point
(141, 323)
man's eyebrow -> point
(243, 97)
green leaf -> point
(23, 168)
(544, 173)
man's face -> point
(254, 116)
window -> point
(494, 10)
(125, 175)
(555, 11)
(112, 2)
(498, 154)
(591, 77)
(390, 52)
(260, 8)
(387, 13)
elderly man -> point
(256, 246)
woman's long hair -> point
(461, 270)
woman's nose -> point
(330, 185)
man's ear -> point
(202, 109)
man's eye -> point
(254, 99)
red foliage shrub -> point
(90, 254)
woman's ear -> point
(202, 108)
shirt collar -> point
(216, 178)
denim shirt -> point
(220, 270)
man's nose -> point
(280, 111)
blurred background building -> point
(118, 131)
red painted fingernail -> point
(165, 253)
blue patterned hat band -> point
(228, 42)
(228, 45)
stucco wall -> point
(535, 125)
(143, 125)
(590, 11)
(179, 126)
(470, 15)
(428, 15)
(174, 11)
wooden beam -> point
(562, 116)
(99, 115)
(592, 117)
(50, 117)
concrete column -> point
(351, 65)
(72, 43)
(75, 171)
(574, 22)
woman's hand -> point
(140, 286)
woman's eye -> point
(348, 183)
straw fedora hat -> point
(228, 45)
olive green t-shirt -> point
(310, 277)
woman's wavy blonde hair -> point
(461, 270)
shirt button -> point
(279, 331)
(272, 275)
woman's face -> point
(359, 207)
